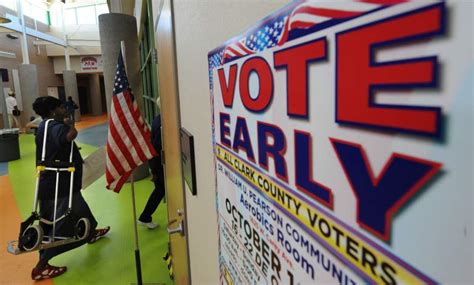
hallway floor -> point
(109, 261)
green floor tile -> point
(110, 260)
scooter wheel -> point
(32, 237)
(83, 227)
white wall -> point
(200, 27)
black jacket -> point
(155, 162)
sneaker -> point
(98, 234)
(149, 225)
(47, 272)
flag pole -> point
(137, 249)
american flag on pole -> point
(128, 140)
(304, 16)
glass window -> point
(36, 10)
(27, 9)
(86, 15)
(55, 13)
(10, 4)
(102, 9)
(40, 15)
(70, 17)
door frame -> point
(167, 74)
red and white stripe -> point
(128, 141)
(311, 13)
(237, 49)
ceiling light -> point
(4, 20)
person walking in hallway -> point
(60, 135)
(71, 108)
(12, 110)
(157, 172)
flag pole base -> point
(139, 267)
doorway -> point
(83, 93)
(163, 34)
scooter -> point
(32, 235)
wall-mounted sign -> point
(335, 159)
(91, 63)
(188, 160)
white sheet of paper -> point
(94, 167)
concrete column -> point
(114, 28)
(28, 74)
(122, 6)
(70, 87)
(96, 100)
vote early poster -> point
(343, 135)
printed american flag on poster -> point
(306, 15)
(128, 140)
